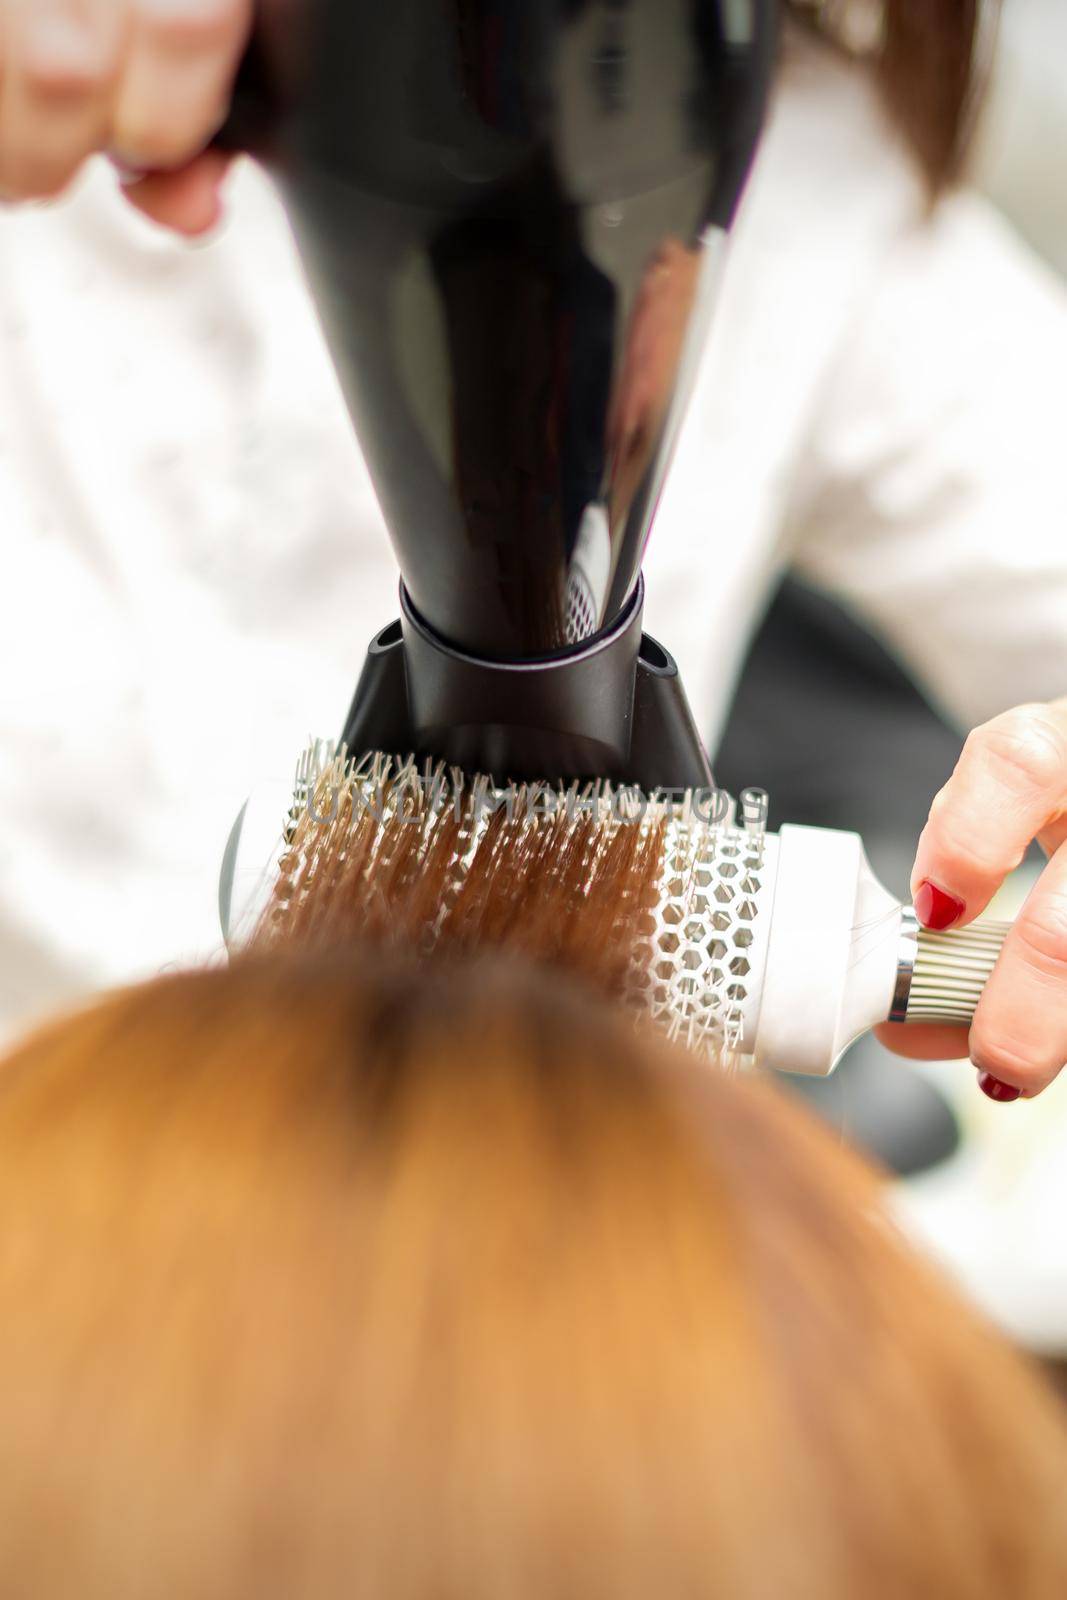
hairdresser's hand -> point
(1009, 788)
(146, 81)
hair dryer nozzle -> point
(614, 709)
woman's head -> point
(330, 1276)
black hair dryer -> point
(511, 213)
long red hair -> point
(332, 1276)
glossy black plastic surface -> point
(615, 711)
(503, 207)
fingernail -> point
(129, 173)
(996, 1090)
(935, 908)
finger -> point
(176, 88)
(1009, 787)
(1019, 1033)
(933, 1041)
(188, 201)
(60, 62)
(1051, 837)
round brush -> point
(781, 947)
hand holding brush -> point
(1009, 789)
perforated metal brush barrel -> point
(700, 960)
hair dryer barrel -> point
(509, 211)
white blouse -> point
(195, 558)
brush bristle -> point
(594, 879)
(422, 856)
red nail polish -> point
(935, 908)
(996, 1090)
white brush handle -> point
(842, 955)
(941, 975)
(833, 937)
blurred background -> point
(1019, 156)
(842, 738)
